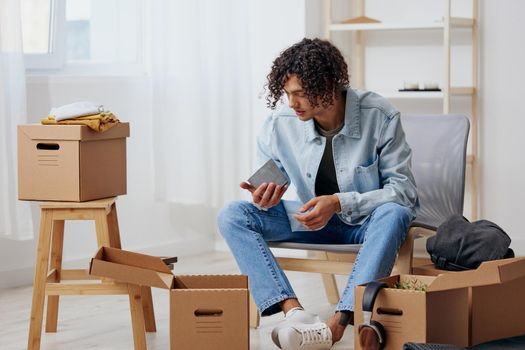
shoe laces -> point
(315, 335)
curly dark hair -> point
(318, 64)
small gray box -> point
(269, 172)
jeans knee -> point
(233, 213)
(395, 211)
(397, 216)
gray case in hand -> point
(269, 172)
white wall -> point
(502, 123)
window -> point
(82, 33)
(35, 26)
(41, 34)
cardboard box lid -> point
(72, 132)
(131, 267)
(211, 282)
(489, 272)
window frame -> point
(55, 63)
(55, 58)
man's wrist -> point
(337, 204)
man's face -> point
(297, 99)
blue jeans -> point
(247, 229)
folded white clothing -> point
(76, 109)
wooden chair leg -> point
(147, 299)
(329, 282)
(137, 317)
(147, 308)
(39, 286)
(56, 264)
(255, 317)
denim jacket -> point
(371, 156)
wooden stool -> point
(49, 272)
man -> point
(346, 154)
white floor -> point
(103, 322)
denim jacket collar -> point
(352, 127)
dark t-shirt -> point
(326, 179)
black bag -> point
(462, 245)
(514, 343)
(421, 346)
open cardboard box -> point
(206, 311)
(71, 162)
(462, 308)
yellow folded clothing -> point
(98, 122)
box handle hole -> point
(389, 311)
(48, 146)
(208, 313)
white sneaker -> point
(295, 315)
(302, 336)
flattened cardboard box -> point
(71, 162)
(463, 308)
(206, 311)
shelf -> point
(411, 94)
(462, 91)
(456, 22)
(456, 91)
(440, 24)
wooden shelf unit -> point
(445, 24)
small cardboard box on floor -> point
(461, 308)
(71, 162)
(206, 311)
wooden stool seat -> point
(49, 273)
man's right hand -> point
(266, 195)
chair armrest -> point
(416, 232)
(406, 251)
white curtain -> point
(15, 216)
(201, 100)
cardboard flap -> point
(489, 272)
(72, 132)
(144, 261)
(130, 274)
(510, 269)
(131, 267)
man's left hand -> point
(322, 210)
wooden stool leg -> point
(255, 317)
(114, 233)
(137, 317)
(147, 300)
(147, 308)
(102, 228)
(55, 264)
(39, 286)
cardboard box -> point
(497, 311)
(71, 162)
(206, 312)
(462, 308)
(428, 270)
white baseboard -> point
(200, 245)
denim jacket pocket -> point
(366, 178)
